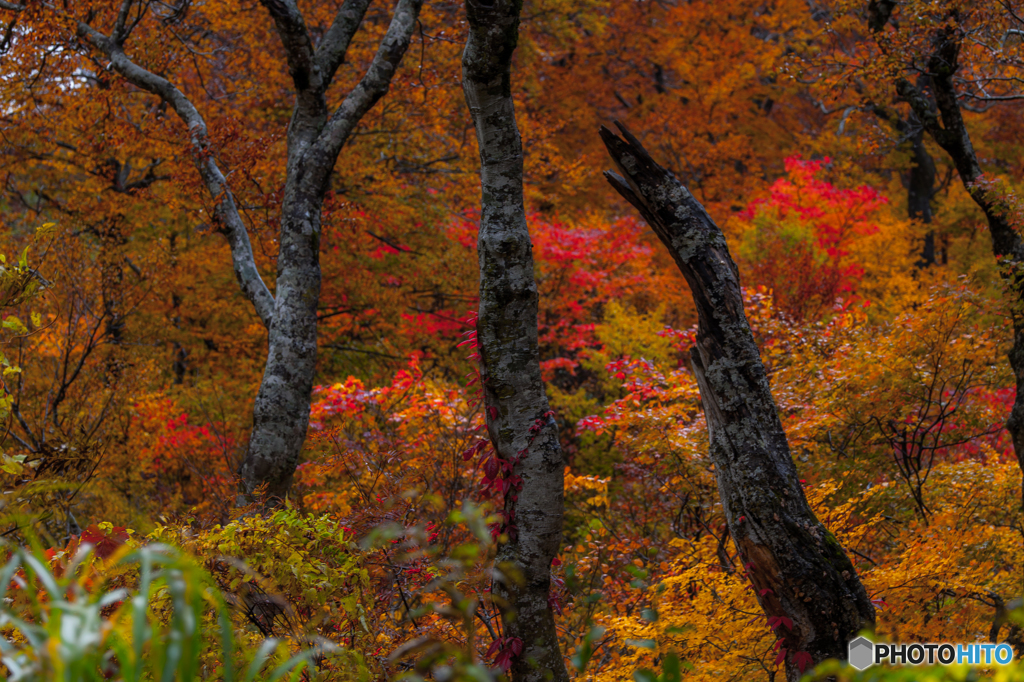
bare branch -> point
(331, 52)
(118, 35)
(377, 80)
(225, 211)
(298, 46)
(992, 98)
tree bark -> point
(921, 189)
(920, 180)
(281, 412)
(941, 117)
(520, 424)
(921, 186)
(315, 138)
(799, 571)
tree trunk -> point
(942, 118)
(921, 186)
(519, 422)
(804, 581)
(920, 180)
(315, 138)
(281, 410)
(921, 189)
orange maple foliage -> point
(139, 360)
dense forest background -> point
(816, 136)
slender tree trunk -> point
(519, 421)
(941, 116)
(315, 138)
(920, 180)
(921, 189)
(921, 185)
(281, 410)
(804, 581)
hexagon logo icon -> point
(862, 653)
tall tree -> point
(935, 102)
(804, 581)
(519, 421)
(315, 137)
(920, 177)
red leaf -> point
(105, 544)
(491, 467)
(516, 646)
(493, 411)
(473, 449)
(803, 660)
(781, 657)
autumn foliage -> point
(131, 360)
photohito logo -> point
(864, 653)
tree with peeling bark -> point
(315, 137)
(520, 424)
(933, 45)
(804, 581)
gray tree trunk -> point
(519, 421)
(920, 180)
(804, 581)
(315, 138)
(941, 117)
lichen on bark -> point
(520, 424)
(796, 567)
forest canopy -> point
(494, 339)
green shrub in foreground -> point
(146, 613)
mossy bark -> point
(797, 568)
(519, 422)
(315, 138)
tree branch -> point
(377, 80)
(118, 35)
(331, 52)
(298, 46)
(225, 211)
